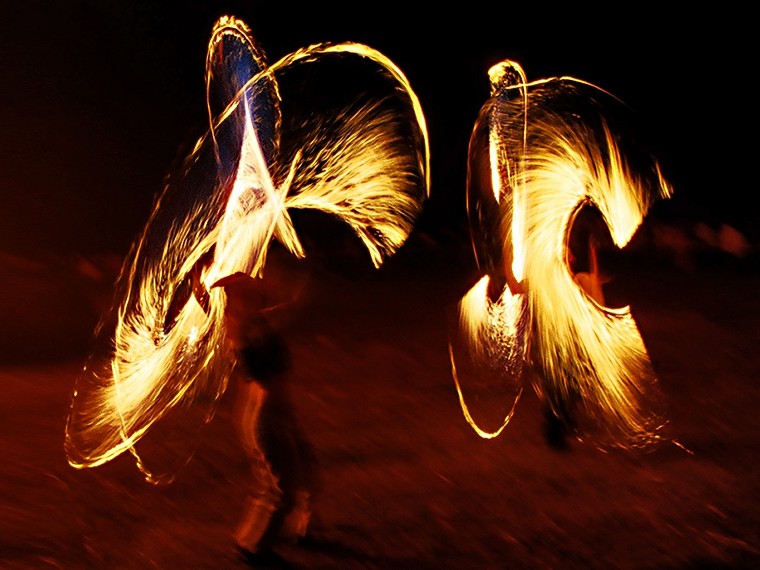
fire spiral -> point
(541, 152)
(160, 362)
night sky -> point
(99, 99)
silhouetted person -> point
(588, 235)
(282, 459)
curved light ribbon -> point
(160, 362)
(551, 153)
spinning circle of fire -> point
(541, 152)
(160, 363)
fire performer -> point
(587, 236)
(283, 462)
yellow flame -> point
(548, 165)
(491, 333)
(356, 166)
(579, 348)
(509, 75)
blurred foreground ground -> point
(408, 484)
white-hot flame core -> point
(580, 351)
(370, 176)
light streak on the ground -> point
(160, 357)
(552, 161)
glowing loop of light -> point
(160, 361)
(534, 163)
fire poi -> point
(540, 152)
(160, 363)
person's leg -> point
(294, 464)
(555, 429)
(282, 455)
(263, 497)
(560, 419)
(306, 482)
(260, 507)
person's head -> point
(244, 305)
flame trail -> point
(160, 361)
(552, 152)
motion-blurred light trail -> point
(160, 361)
(539, 153)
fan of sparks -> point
(160, 362)
(541, 152)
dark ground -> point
(408, 484)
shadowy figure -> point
(588, 234)
(284, 466)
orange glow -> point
(161, 362)
(552, 152)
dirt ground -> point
(407, 482)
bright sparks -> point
(539, 153)
(161, 362)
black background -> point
(99, 99)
